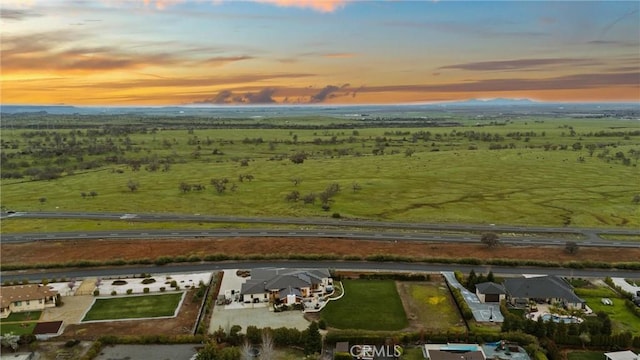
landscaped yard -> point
(621, 317)
(427, 299)
(18, 328)
(367, 305)
(585, 355)
(133, 307)
(22, 316)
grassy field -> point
(524, 182)
(367, 305)
(133, 307)
(622, 318)
(433, 299)
(585, 355)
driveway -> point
(625, 285)
(71, 312)
(482, 312)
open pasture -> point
(529, 172)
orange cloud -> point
(340, 55)
(325, 6)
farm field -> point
(133, 307)
(362, 307)
(622, 318)
(423, 300)
(552, 172)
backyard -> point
(20, 323)
(134, 307)
(367, 305)
(585, 355)
(621, 317)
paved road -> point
(588, 232)
(348, 234)
(592, 238)
(339, 265)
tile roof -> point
(9, 294)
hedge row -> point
(163, 260)
(467, 314)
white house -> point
(285, 285)
(22, 298)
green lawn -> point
(521, 184)
(434, 306)
(22, 316)
(133, 307)
(367, 305)
(414, 353)
(621, 317)
(18, 328)
(585, 355)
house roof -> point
(621, 355)
(276, 279)
(490, 288)
(543, 287)
(10, 294)
(454, 355)
(289, 291)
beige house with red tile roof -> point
(21, 298)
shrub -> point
(96, 292)
(162, 289)
(145, 290)
(174, 284)
(113, 293)
(322, 324)
(148, 281)
(129, 291)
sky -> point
(209, 52)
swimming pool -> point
(558, 318)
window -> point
(18, 303)
(40, 301)
(27, 302)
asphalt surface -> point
(36, 275)
(591, 236)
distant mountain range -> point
(287, 109)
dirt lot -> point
(100, 250)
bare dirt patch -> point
(101, 250)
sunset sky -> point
(173, 52)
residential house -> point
(490, 292)
(288, 286)
(551, 289)
(621, 355)
(22, 298)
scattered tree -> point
(42, 200)
(267, 348)
(490, 239)
(10, 340)
(298, 158)
(133, 185)
(293, 196)
(571, 247)
(313, 340)
(184, 187)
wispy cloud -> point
(339, 55)
(17, 14)
(568, 82)
(224, 60)
(520, 64)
